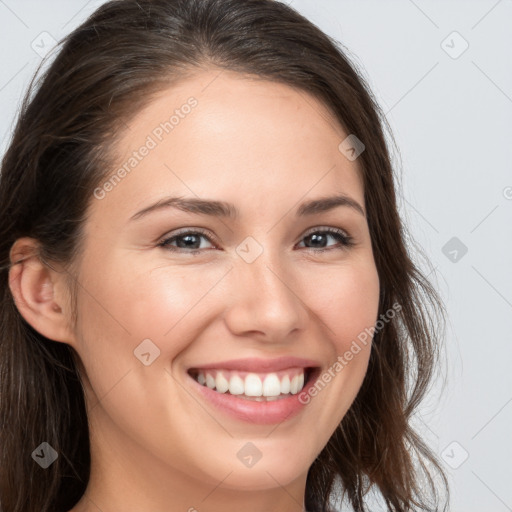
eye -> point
(186, 239)
(319, 236)
(189, 241)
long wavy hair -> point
(102, 74)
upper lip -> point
(252, 364)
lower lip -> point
(263, 413)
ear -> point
(40, 292)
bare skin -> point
(156, 445)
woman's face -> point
(269, 286)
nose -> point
(267, 301)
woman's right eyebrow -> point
(191, 205)
(224, 209)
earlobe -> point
(34, 286)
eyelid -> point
(203, 231)
(326, 228)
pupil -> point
(316, 237)
(188, 238)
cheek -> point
(346, 300)
(346, 303)
(124, 304)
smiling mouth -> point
(259, 387)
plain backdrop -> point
(442, 74)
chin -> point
(270, 471)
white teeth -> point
(221, 383)
(210, 381)
(252, 385)
(301, 382)
(285, 384)
(294, 385)
(271, 385)
(236, 385)
(297, 384)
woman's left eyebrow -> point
(223, 209)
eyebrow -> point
(224, 209)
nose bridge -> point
(264, 295)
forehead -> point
(220, 134)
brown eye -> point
(188, 241)
(320, 237)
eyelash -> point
(346, 240)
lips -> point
(253, 377)
(258, 365)
(265, 408)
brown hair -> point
(107, 70)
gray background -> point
(451, 114)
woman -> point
(207, 299)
